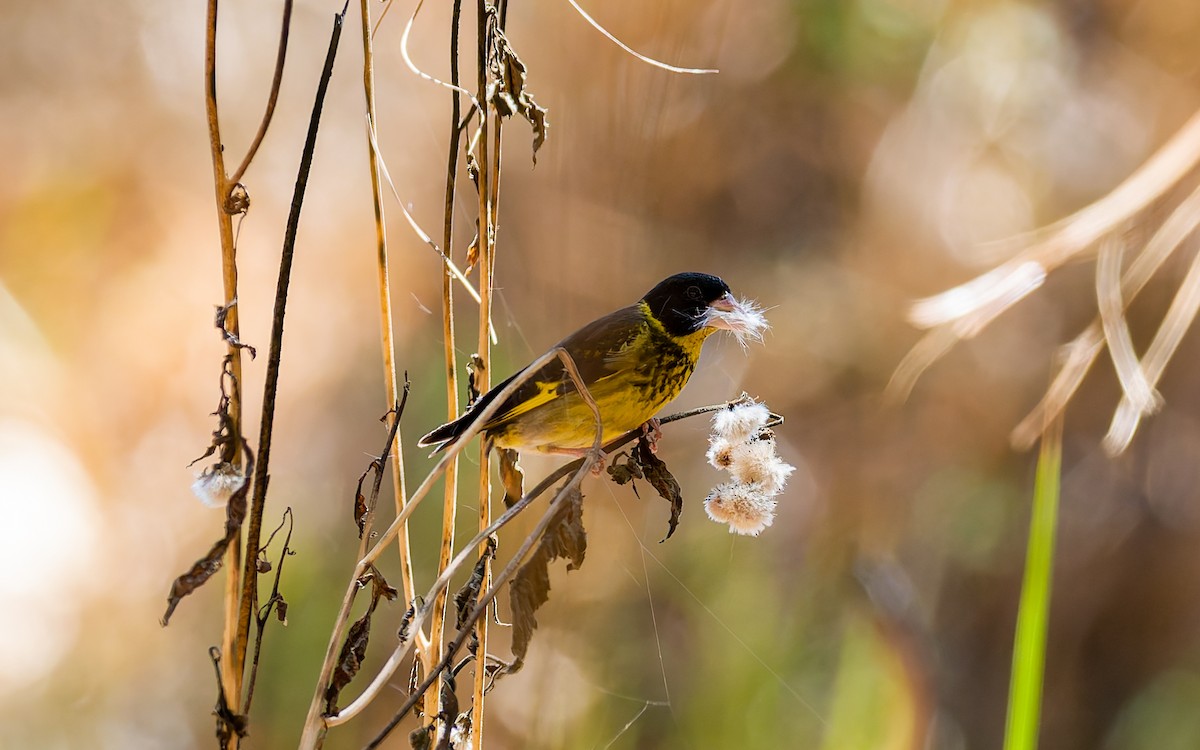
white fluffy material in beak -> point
(743, 318)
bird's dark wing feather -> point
(598, 349)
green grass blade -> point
(1029, 646)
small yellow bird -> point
(633, 361)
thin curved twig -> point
(648, 60)
(272, 98)
(421, 233)
(417, 71)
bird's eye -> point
(693, 292)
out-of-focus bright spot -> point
(48, 539)
(873, 702)
(982, 202)
(1161, 717)
(963, 515)
(1011, 55)
(164, 31)
(756, 38)
(549, 695)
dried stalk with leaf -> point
(501, 93)
(241, 594)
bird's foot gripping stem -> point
(652, 431)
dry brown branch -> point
(450, 494)
(232, 647)
(483, 372)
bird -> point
(632, 361)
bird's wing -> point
(600, 350)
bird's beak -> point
(727, 303)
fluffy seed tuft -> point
(745, 507)
(216, 484)
(742, 445)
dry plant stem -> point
(272, 98)
(234, 650)
(261, 618)
(314, 724)
(270, 388)
(1176, 323)
(1082, 352)
(450, 496)
(1049, 248)
(475, 619)
(387, 336)
(453, 269)
(1116, 330)
(453, 85)
(483, 378)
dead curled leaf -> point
(354, 648)
(643, 464)
(205, 567)
(530, 589)
(660, 478)
(466, 597)
(508, 92)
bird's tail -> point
(443, 437)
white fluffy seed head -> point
(757, 463)
(216, 484)
(740, 422)
(745, 507)
(720, 453)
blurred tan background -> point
(850, 156)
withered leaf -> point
(421, 738)
(509, 94)
(511, 476)
(354, 649)
(660, 478)
(466, 597)
(473, 250)
(530, 589)
(475, 368)
(447, 712)
(228, 720)
(205, 567)
(281, 607)
(406, 620)
(360, 507)
(223, 315)
(624, 473)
